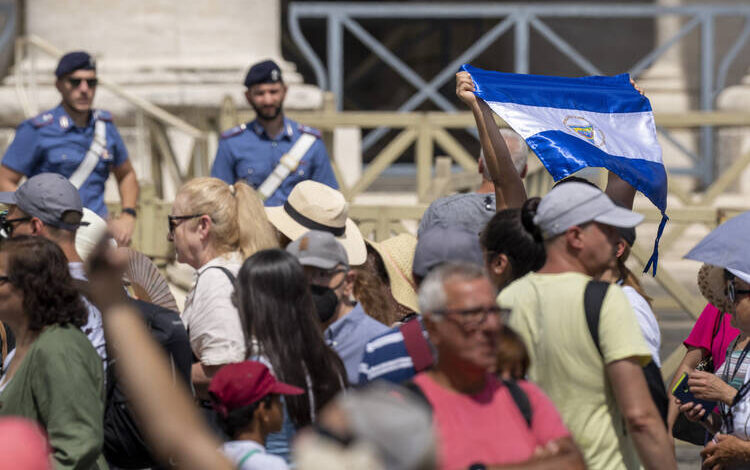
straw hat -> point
(397, 254)
(712, 284)
(315, 206)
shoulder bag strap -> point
(416, 345)
(521, 400)
(91, 159)
(4, 351)
(287, 164)
(593, 298)
(244, 458)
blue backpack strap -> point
(233, 131)
(42, 120)
(247, 455)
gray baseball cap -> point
(318, 249)
(572, 204)
(440, 245)
(47, 196)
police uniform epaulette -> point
(103, 115)
(42, 120)
(233, 131)
(310, 130)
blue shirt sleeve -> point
(322, 171)
(223, 167)
(24, 152)
(121, 152)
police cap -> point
(263, 72)
(72, 61)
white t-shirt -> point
(646, 320)
(94, 328)
(212, 322)
(254, 455)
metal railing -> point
(521, 19)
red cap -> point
(23, 445)
(244, 383)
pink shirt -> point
(488, 427)
(701, 334)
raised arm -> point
(509, 190)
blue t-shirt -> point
(348, 336)
(51, 143)
(247, 153)
(386, 358)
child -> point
(512, 356)
(247, 398)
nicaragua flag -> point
(574, 123)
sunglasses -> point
(733, 292)
(7, 225)
(76, 82)
(4, 279)
(175, 220)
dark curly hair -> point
(38, 268)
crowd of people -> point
(509, 333)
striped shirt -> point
(386, 358)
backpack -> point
(124, 446)
(593, 298)
(516, 392)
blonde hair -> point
(239, 220)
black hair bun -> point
(528, 211)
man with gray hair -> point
(473, 210)
(482, 422)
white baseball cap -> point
(574, 203)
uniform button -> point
(273, 144)
(64, 157)
(302, 172)
(249, 171)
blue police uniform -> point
(51, 143)
(248, 152)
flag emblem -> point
(585, 129)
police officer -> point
(253, 151)
(78, 142)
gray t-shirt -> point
(471, 211)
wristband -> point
(129, 211)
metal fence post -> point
(521, 38)
(336, 59)
(707, 95)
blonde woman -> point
(214, 227)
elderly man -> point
(78, 142)
(481, 421)
(473, 210)
(589, 362)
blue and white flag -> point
(574, 123)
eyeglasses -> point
(174, 221)
(472, 318)
(4, 279)
(76, 82)
(733, 292)
(7, 225)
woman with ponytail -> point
(512, 245)
(214, 226)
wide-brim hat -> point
(315, 206)
(397, 254)
(713, 285)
